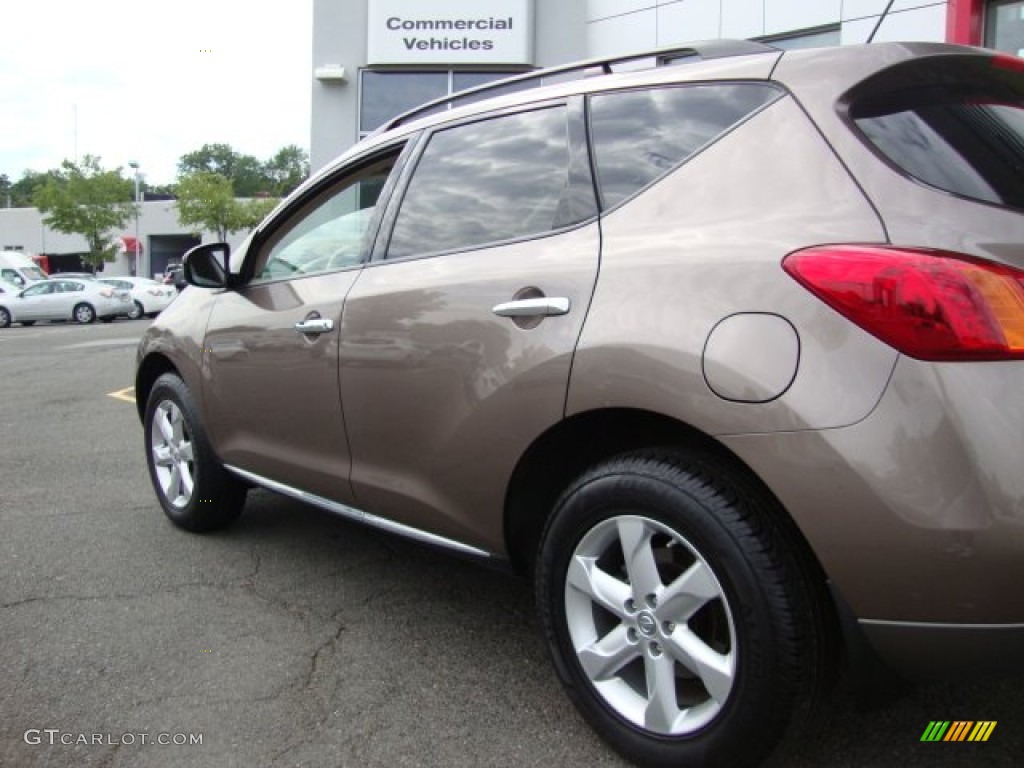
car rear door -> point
(272, 344)
(457, 339)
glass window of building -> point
(1004, 27)
(386, 94)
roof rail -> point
(660, 57)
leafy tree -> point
(87, 200)
(287, 169)
(22, 192)
(282, 173)
(207, 200)
(245, 173)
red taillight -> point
(928, 304)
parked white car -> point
(17, 268)
(148, 296)
(65, 299)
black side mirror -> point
(207, 266)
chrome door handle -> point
(544, 306)
(315, 326)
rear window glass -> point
(968, 140)
(640, 136)
(498, 179)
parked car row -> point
(82, 297)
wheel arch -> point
(84, 303)
(570, 447)
(152, 367)
(575, 444)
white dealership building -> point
(373, 59)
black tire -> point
(5, 318)
(216, 498)
(762, 621)
(137, 311)
(84, 313)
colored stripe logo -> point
(958, 730)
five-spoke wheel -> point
(194, 489)
(650, 625)
(171, 446)
(678, 617)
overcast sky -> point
(148, 81)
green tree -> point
(5, 190)
(207, 200)
(287, 169)
(23, 191)
(245, 173)
(84, 199)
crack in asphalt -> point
(314, 685)
(111, 596)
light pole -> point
(136, 261)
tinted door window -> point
(486, 182)
(640, 136)
(966, 140)
(331, 232)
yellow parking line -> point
(127, 394)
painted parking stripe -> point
(127, 394)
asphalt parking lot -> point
(295, 638)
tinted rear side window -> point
(485, 182)
(640, 136)
(967, 139)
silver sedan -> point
(65, 299)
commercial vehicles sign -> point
(450, 32)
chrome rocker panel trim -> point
(357, 515)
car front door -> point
(41, 301)
(457, 338)
(272, 343)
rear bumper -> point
(916, 514)
(113, 308)
(155, 304)
(948, 650)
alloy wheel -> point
(173, 458)
(84, 314)
(650, 624)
